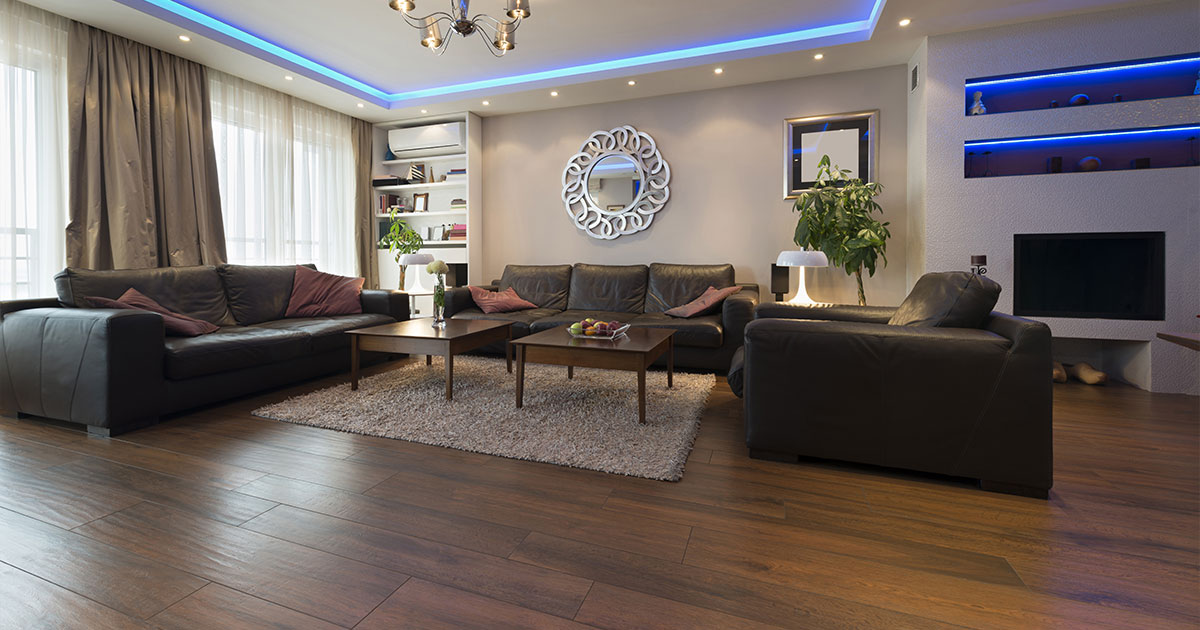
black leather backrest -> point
(676, 285)
(258, 294)
(544, 285)
(616, 288)
(193, 291)
(948, 299)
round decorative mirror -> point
(616, 183)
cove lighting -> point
(1082, 136)
(244, 39)
(1084, 71)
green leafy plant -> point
(401, 239)
(836, 217)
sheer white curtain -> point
(286, 170)
(33, 149)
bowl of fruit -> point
(597, 329)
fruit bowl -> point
(598, 332)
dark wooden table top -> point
(634, 340)
(423, 328)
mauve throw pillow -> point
(315, 294)
(708, 302)
(499, 301)
(174, 324)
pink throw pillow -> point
(174, 324)
(499, 301)
(705, 304)
(315, 294)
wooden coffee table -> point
(418, 336)
(634, 351)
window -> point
(32, 148)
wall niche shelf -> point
(1134, 80)
(1116, 150)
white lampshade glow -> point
(802, 258)
(417, 259)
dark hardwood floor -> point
(218, 519)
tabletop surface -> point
(634, 340)
(423, 328)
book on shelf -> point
(388, 180)
(457, 232)
(387, 202)
(458, 204)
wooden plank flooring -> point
(219, 519)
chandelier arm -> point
(420, 22)
(440, 50)
(487, 43)
(496, 23)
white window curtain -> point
(33, 149)
(286, 170)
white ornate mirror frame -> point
(653, 192)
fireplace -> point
(1106, 275)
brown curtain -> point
(142, 170)
(362, 135)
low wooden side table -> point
(418, 336)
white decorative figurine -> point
(977, 107)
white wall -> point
(726, 151)
(979, 216)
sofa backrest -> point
(544, 285)
(258, 293)
(616, 288)
(675, 285)
(193, 291)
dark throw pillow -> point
(706, 304)
(949, 299)
(174, 324)
(316, 294)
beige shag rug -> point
(588, 422)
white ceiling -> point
(368, 41)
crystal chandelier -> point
(500, 35)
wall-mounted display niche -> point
(1113, 150)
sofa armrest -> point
(458, 299)
(825, 312)
(394, 304)
(12, 306)
(99, 367)
(737, 311)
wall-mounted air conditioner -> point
(427, 141)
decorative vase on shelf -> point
(977, 108)
(439, 270)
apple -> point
(589, 321)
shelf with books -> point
(399, 187)
(404, 216)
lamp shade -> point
(416, 259)
(802, 258)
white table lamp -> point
(802, 258)
(417, 259)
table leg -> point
(670, 361)
(449, 376)
(353, 362)
(520, 375)
(570, 372)
(508, 350)
(642, 396)
(429, 359)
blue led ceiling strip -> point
(1071, 73)
(1078, 136)
(276, 50)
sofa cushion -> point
(612, 288)
(570, 317)
(193, 291)
(258, 293)
(316, 294)
(232, 348)
(504, 301)
(328, 332)
(949, 299)
(707, 304)
(544, 285)
(174, 324)
(522, 320)
(675, 285)
(702, 331)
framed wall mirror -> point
(616, 183)
(850, 140)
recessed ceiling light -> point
(361, 105)
(818, 56)
(718, 70)
(554, 94)
(487, 103)
(424, 111)
(288, 77)
(184, 38)
(905, 22)
(633, 83)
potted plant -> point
(400, 240)
(439, 270)
(836, 217)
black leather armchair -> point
(839, 383)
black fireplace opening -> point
(1105, 275)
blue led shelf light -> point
(1114, 150)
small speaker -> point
(781, 281)
(1142, 162)
(1054, 164)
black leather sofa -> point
(838, 382)
(633, 294)
(114, 370)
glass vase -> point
(439, 302)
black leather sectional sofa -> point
(114, 370)
(633, 294)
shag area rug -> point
(588, 422)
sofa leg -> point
(1012, 488)
(774, 456)
(99, 431)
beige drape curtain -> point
(364, 204)
(142, 170)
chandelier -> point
(500, 35)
